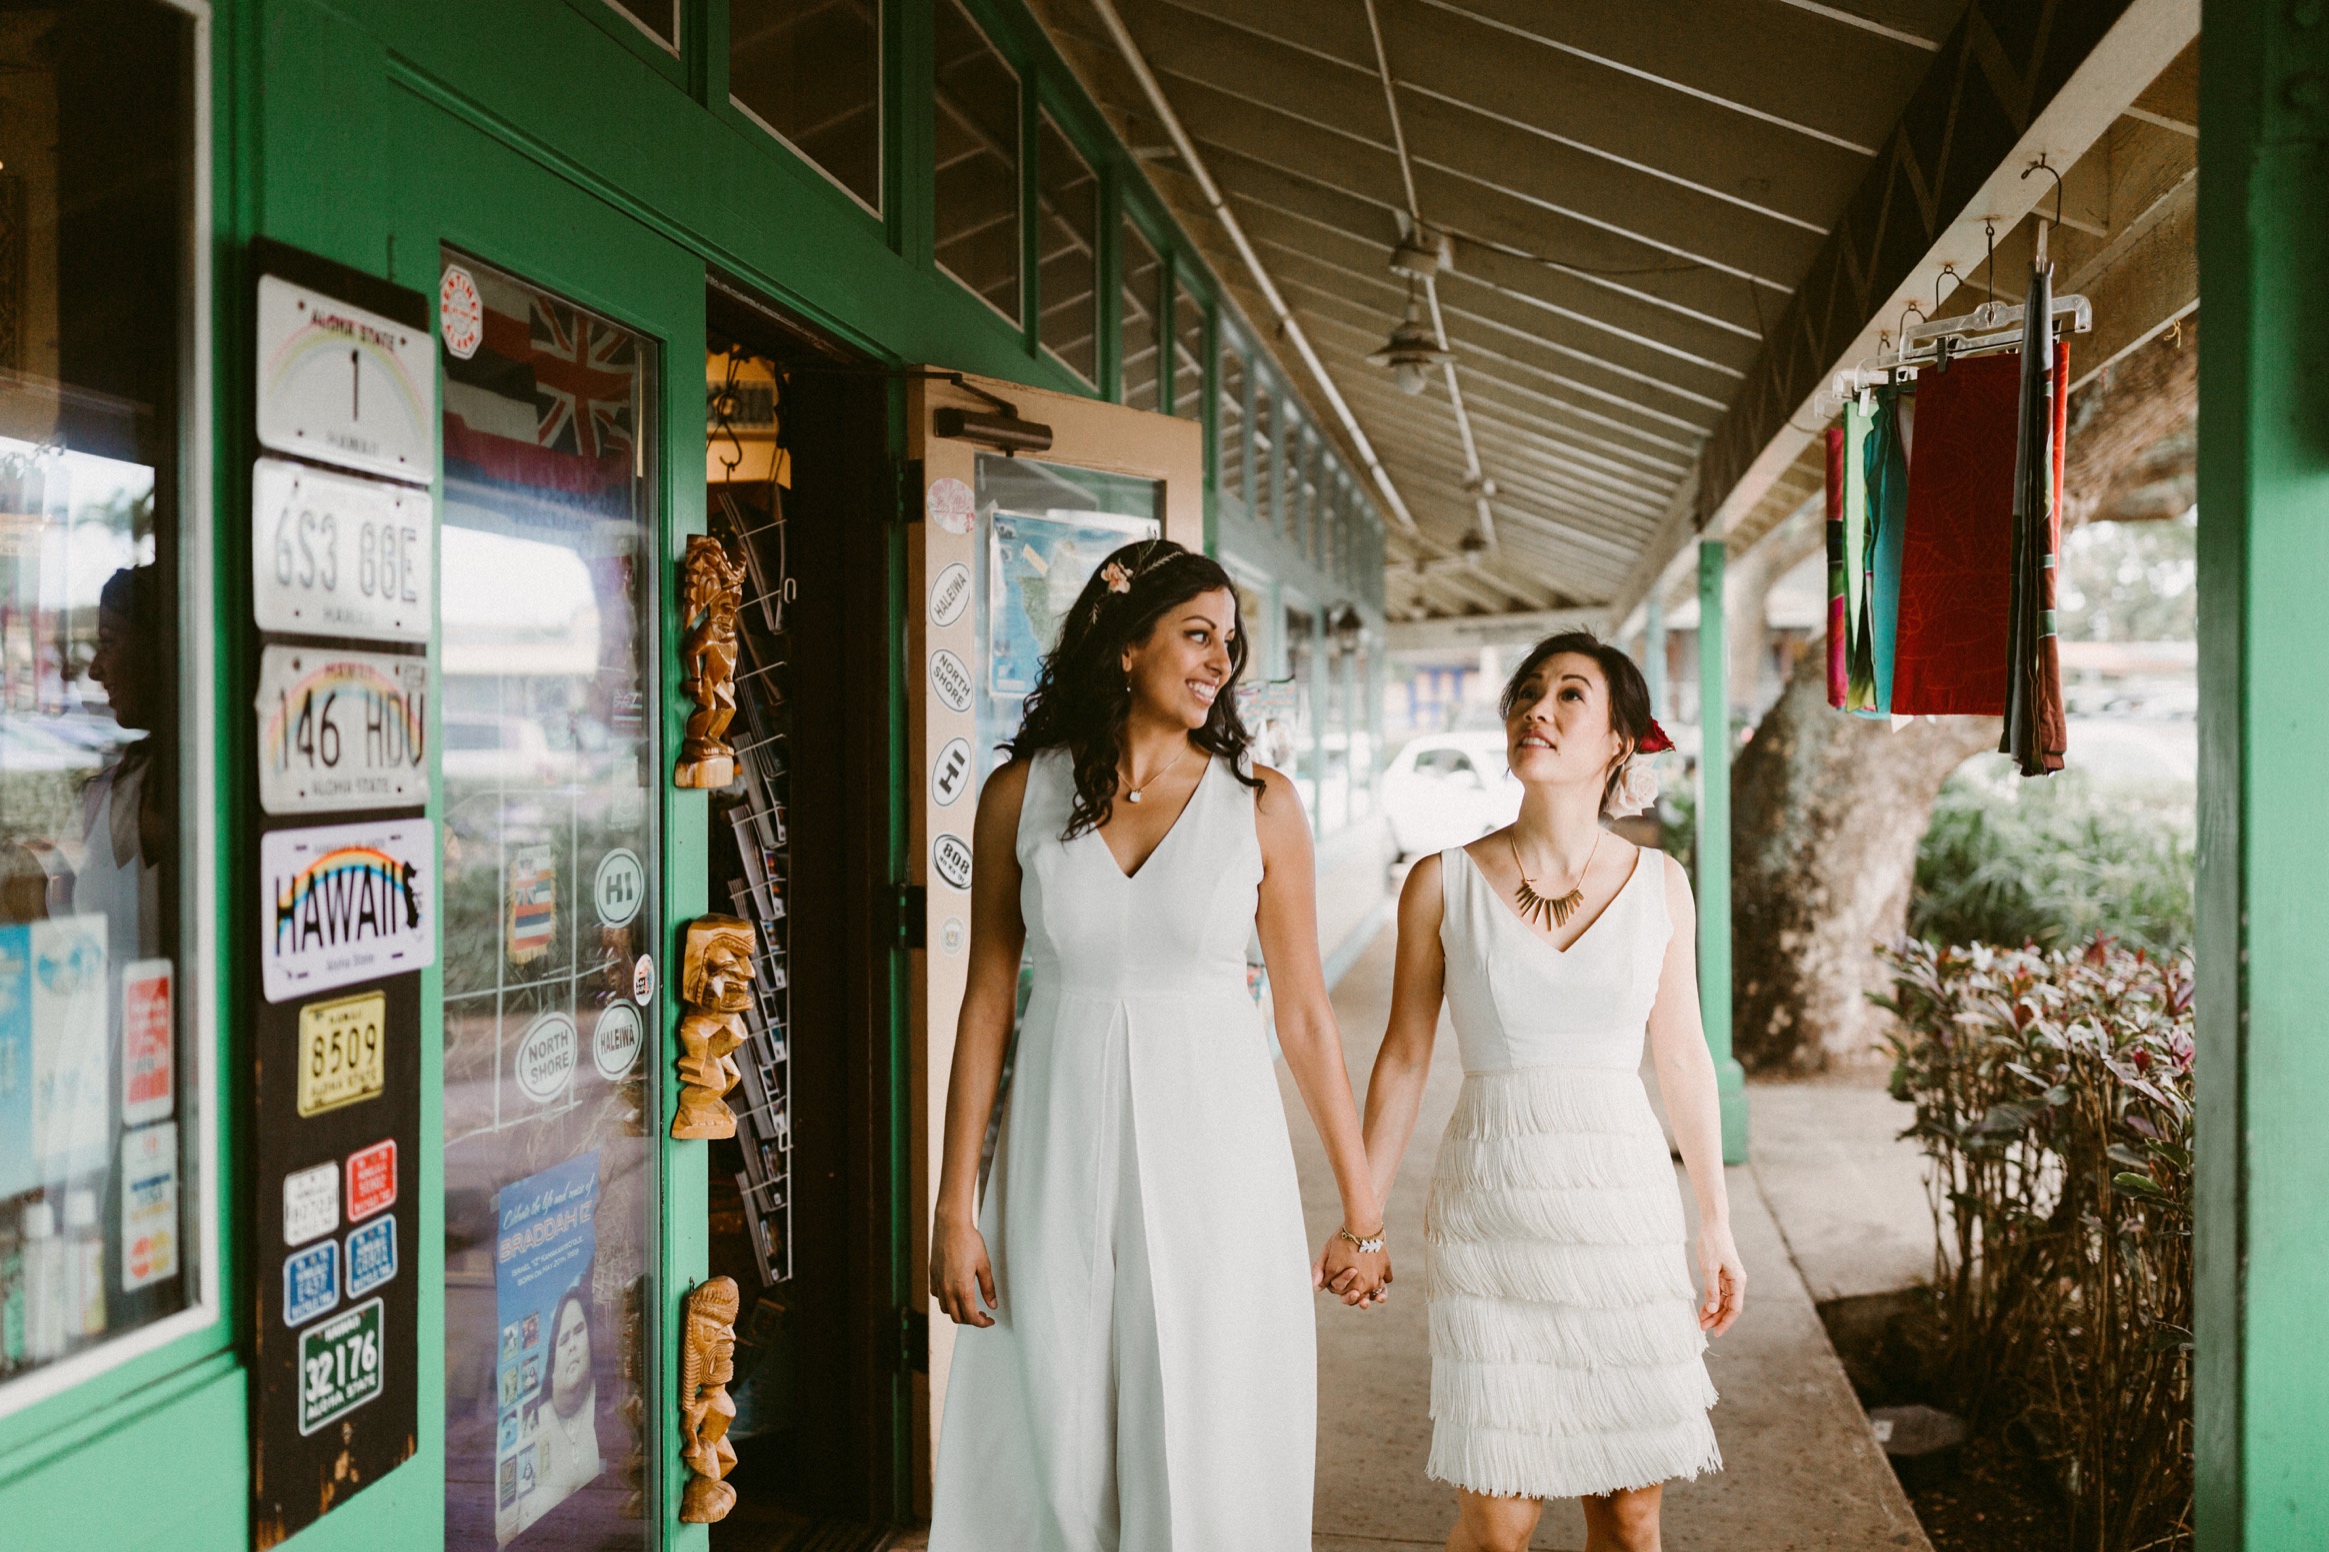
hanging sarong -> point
(1890, 431)
(1949, 653)
(1859, 657)
(1839, 674)
(2035, 731)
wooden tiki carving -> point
(707, 1361)
(711, 591)
(715, 984)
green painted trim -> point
(1714, 850)
(173, 1476)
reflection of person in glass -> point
(566, 1455)
(126, 806)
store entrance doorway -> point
(802, 1208)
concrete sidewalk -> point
(1802, 1472)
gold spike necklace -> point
(1554, 912)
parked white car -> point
(1444, 789)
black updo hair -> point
(1080, 700)
(1629, 694)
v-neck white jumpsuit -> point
(1150, 1382)
(1566, 1357)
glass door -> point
(552, 476)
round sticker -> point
(615, 1041)
(643, 980)
(950, 680)
(951, 774)
(953, 935)
(620, 887)
(951, 505)
(460, 312)
(545, 1061)
(950, 594)
(950, 860)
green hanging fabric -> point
(1859, 663)
(1888, 455)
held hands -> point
(1725, 1276)
(960, 1274)
(1361, 1279)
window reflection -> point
(1188, 353)
(811, 71)
(1143, 282)
(1069, 273)
(978, 160)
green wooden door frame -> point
(1714, 848)
(2263, 1250)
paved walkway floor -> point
(1803, 1472)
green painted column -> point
(2262, 1240)
(1714, 850)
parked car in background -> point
(1444, 789)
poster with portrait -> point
(546, 1443)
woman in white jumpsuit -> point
(1135, 1369)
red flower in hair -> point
(1654, 741)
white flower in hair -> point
(1637, 788)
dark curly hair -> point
(1629, 694)
(1080, 699)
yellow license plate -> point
(339, 1052)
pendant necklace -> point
(1550, 912)
(1132, 794)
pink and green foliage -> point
(2053, 1095)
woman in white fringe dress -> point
(1567, 1349)
(1135, 1364)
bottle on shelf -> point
(44, 1284)
(84, 1266)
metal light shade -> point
(1411, 353)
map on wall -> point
(1036, 565)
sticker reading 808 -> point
(339, 1366)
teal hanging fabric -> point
(1859, 661)
(1886, 477)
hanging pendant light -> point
(1412, 350)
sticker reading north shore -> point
(341, 1059)
(546, 1057)
(950, 680)
(346, 903)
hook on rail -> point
(2040, 166)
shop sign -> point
(335, 556)
(952, 505)
(951, 774)
(340, 1366)
(371, 1257)
(345, 903)
(311, 1203)
(615, 1041)
(546, 1057)
(619, 888)
(148, 1066)
(950, 860)
(371, 1180)
(341, 1053)
(311, 1282)
(950, 680)
(149, 1205)
(460, 312)
(342, 385)
(949, 594)
(341, 730)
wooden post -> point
(2262, 1360)
(1714, 850)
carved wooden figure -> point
(707, 1361)
(715, 983)
(711, 591)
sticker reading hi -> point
(311, 1203)
(341, 1060)
(950, 775)
(619, 887)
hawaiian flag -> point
(548, 402)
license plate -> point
(335, 556)
(341, 730)
(339, 1366)
(340, 1058)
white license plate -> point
(332, 555)
(341, 730)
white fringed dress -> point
(1566, 1354)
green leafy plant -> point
(2053, 1095)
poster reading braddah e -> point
(1036, 565)
(546, 1442)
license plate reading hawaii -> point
(341, 730)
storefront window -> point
(100, 1069)
(1264, 469)
(1069, 229)
(552, 964)
(659, 19)
(1302, 667)
(1362, 735)
(1188, 353)
(1229, 421)
(978, 160)
(1143, 275)
(810, 71)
